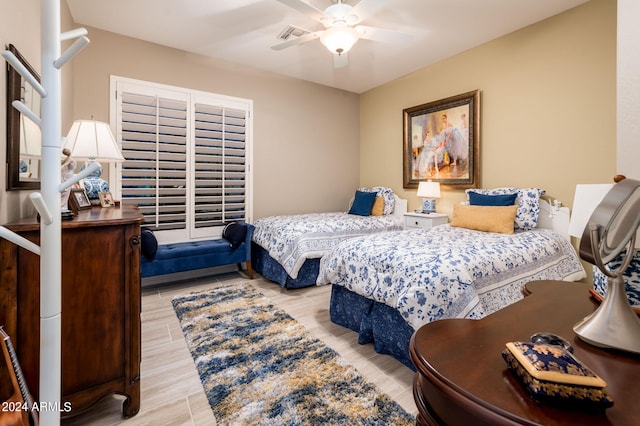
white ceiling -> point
(243, 31)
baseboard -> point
(187, 275)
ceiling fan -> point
(342, 29)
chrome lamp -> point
(93, 141)
(610, 230)
(429, 191)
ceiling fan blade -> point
(340, 61)
(298, 40)
(382, 34)
(304, 8)
(367, 8)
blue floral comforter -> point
(292, 239)
(448, 272)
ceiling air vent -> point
(291, 31)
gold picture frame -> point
(106, 199)
(441, 142)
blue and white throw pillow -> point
(527, 201)
(386, 193)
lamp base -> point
(428, 205)
(614, 324)
(94, 184)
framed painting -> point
(441, 142)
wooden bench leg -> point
(249, 268)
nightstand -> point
(424, 220)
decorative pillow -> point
(148, 244)
(378, 207)
(552, 375)
(386, 193)
(362, 203)
(235, 233)
(527, 202)
(476, 199)
(484, 218)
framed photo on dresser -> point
(106, 199)
(78, 200)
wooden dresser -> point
(100, 307)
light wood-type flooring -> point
(170, 386)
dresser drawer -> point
(418, 220)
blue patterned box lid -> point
(553, 364)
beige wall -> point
(305, 135)
(548, 107)
(20, 26)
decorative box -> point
(553, 376)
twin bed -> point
(385, 285)
(287, 249)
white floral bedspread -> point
(292, 239)
(448, 272)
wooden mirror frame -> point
(14, 92)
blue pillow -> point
(235, 233)
(476, 199)
(363, 203)
(149, 244)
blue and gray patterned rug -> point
(258, 366)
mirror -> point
(23, 135)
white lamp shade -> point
(429, 189)
(92, 140)
(585, 201)
(339, 39)
(30, 138)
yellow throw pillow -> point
(485, 218)
(378, 207)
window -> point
(186, 156)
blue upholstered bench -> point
(192, 255)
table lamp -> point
(429, 191)
(610, 230)
(93, 141)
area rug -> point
(259, 366)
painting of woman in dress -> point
(443, 145)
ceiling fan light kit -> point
(339, 39)
(341, 31)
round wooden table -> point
(462, 379)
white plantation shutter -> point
(186, 158)
(220, 164)
(154, 145)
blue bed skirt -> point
(269, 268)
(374, 322)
